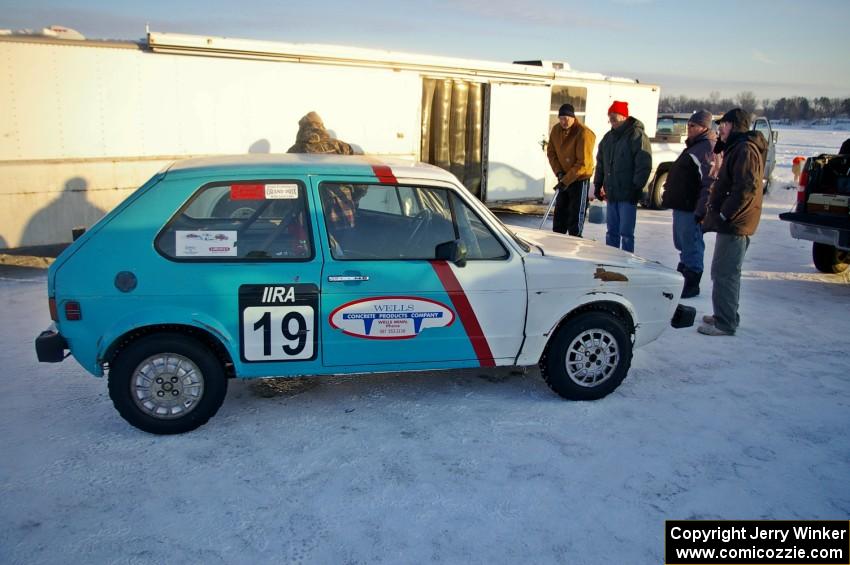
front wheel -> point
(830, 259)
(588, 357)
(658, 191)
(167, 384)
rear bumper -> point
(50, 346)
(828, 230)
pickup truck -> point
(821, 213)
(669, 142)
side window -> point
(761, 125)
(384, 222)
(479, 240)
(378, 199)
(409, 223)
(244, 221)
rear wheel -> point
(829, 259)
(167, 384)
(588, 357)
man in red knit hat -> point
(623, 164)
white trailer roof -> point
(334, 54)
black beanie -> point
(567, 110)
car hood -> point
(557, 245)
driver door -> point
(384, 299)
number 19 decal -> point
(278, 322)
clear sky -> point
(770, 47)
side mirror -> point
(454, 251)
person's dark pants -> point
(729, 251)
(571, 208)
(687, 238)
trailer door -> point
(516, 161)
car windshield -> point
(671, 125)
(524, 245)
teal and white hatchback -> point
(286, 265)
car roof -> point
(291, 163)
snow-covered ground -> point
(456, 467)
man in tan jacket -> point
(570, 152)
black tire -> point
(167, 356)
(829, 259)
(658, 191)
(611, 331)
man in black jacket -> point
(687, 180)
(623, 164)
(733, 211)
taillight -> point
(801, 190)
(73, 312)
(54, 315)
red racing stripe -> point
(385, 174)
(466, 313)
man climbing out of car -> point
(312, 137)
(338, 200)
(687, 180)
(623, 164)
(733, 211)
(570, 152)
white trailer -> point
(86, 122)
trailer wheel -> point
(167, 383)
(588, 357)
(830, 259)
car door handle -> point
(347, 278)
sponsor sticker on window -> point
(276, 191)
(205, 243)
(281, 191)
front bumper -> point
(50, 346)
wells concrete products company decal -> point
(390, 317)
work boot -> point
(692, 279)
(707, 329)
(708, 319)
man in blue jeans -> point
(688, 180)
(623, 164)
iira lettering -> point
(272, 294)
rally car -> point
(286, 265)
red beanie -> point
(621, 108)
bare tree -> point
(747, 101)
